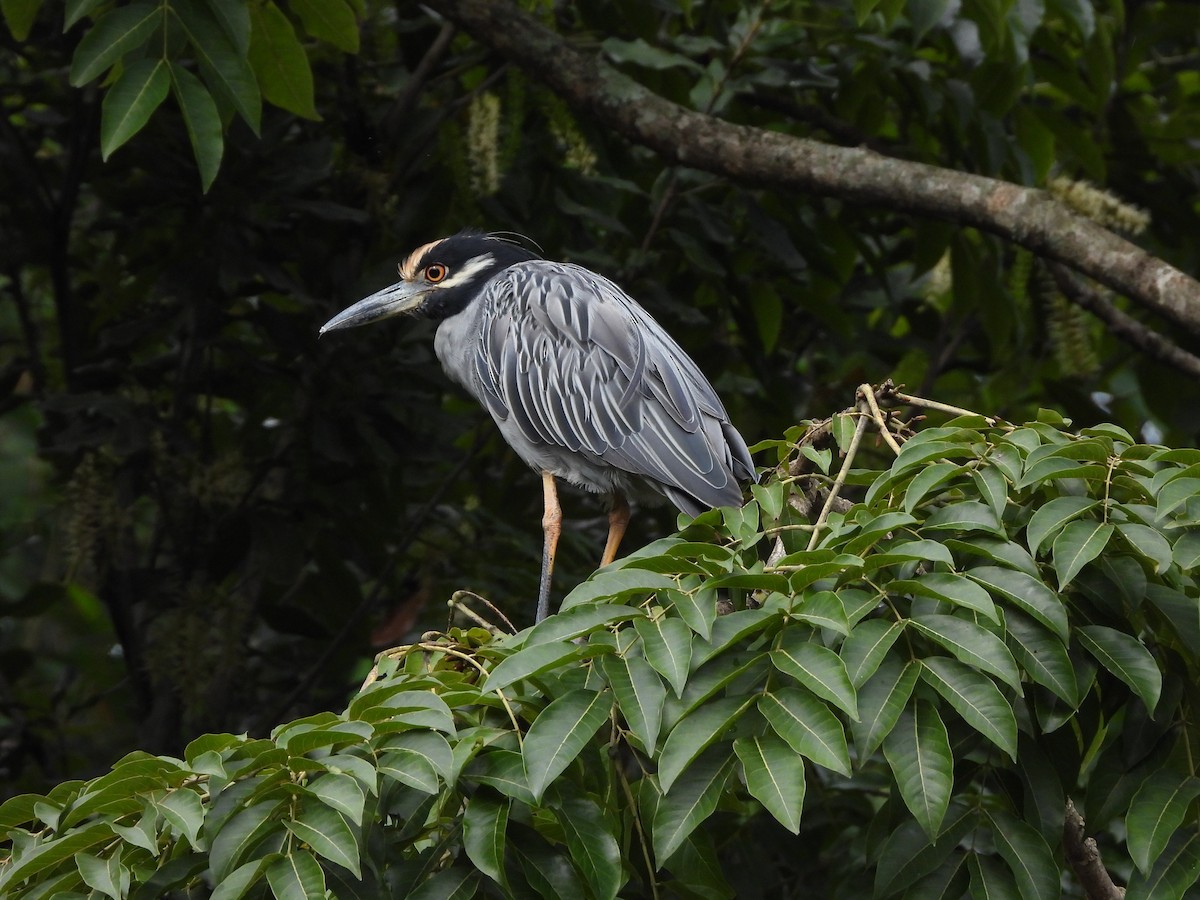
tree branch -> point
(1125, 326)
(1025, 216)
(1084, 858)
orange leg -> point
(551, 529)
(618, 520)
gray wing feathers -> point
(576, 363)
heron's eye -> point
(435, 273)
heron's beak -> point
(400, 298)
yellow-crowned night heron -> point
(582, 382)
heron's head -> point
(437, 280)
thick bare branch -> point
(1023, 215)
(1125, 326)
(1084, 858)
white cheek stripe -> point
(467, 272)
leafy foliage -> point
(934, 668)
(208, 521)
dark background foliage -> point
(209, 520)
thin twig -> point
(456, 602)
(868, 393)
(838, 482)
(922, 403)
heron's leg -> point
(618, 520)
(551, 529)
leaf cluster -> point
(1005, 618)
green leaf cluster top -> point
(1005, 618)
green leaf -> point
(428, 745)
(817, 668)
(823, 609)
(593, 846)
(118, 31)
(640, 696)
(19, 809)
(1124, 656)
(1052, 516)
(697, 608)
(926, 480)
(327, 832)
(641, 53)
(1150, 543)
(972, 644)
(234, 18)
(280, 62)
(505, 771)
(485, 825)
(296, 876)
(614, 583)
(570, 624)
(991, 879)
(863, 9)
(1077, 545)
(359, 769)
(529, 662)
(966, 515)
(343, 792)
(692, 735)
(1045, 797)
(667, 643)
(952, 588)
(1186, 551)
(1155, 814)
(976, 698)
(1028, 857)
(905, 551)
(103, 873)
(1177, 869)
(51, 853)
(1043, 656)
(774, 776)
(734, 628)
(409, 768)
(185, 811)
(328, 20)
(76, 10)
(908, 855)
(770, 498)
(455, 883)
(241, 832)
(202, 121)
(880, 702)
(396, 703)
(1006, 553)
(1174, 494)
(20, 16)
(559, 734)
(144, 834)
(548, 870)
(866, 647)
(808, 726)
(130, 102)
(692, 801)
(1027, 593)
(241, 879)
(992, 487)
(225, 69)
(918, 751)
